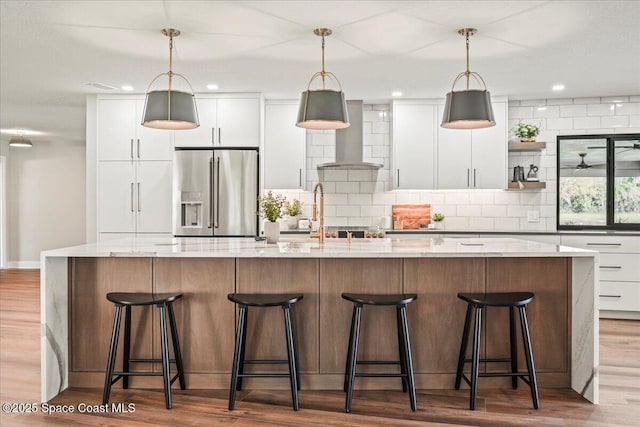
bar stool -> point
(477, 302)
(244, 301)
(405, 361)
(164, 302)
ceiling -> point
(51, 50)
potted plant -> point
(526, 132)
(437, 219)
(271, 209)
(293, 210)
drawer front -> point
(623, 296)
(604, 244)
(620, 267)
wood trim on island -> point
(206, 319)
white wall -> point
(362, 198)
(45, 199)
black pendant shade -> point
(468, 109)
(170, 109)
(323, 108)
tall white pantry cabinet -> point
(134, 170)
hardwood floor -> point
(20, 378)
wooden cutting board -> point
(411, 217)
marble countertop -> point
(302, 247)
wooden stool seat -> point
(478, 302)
(164, 302)
(244, 301)
(405, 361)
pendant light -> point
(170, 109)
(323, 108)
(469, 108)
(20, 140)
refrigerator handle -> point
(219, 137)
(139, 208)
(210, 216)
(213, 136)
(217, 222)
(131, 194)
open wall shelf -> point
(527, 146)
(527, 185)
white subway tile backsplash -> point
(359, 199)
(517, 211)
(573, 110)
(407, 197)
(481, 224)
(629, 108)
(335, 175)
(520, 112)
(347, 187)
(346, 210)
(634, 98)
(532, 102)
(634, 121)
(469, 210)
(494, 210)
(480, 197)
(457, 198)
(586, 122)
(600, 109)
(586, 100)
(359, 175)
(432, 198)
(506, 198)
(369, 186)
(335, 199)
(372, 211)
(549, 111)
(558, 101)
(384, 198)
(380, 151)
(456, 223)
(506, 224)
(616, 99)
(559, 124)
(380, 127)
(616, 121)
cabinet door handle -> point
(611, 296)
(604, 244)
(398, 178)
(300, 177)
(139, 208)
(213, 136)
(468, 178)
(210, 219)
(613, 267)
(219, 136)
(474, 177)
(131, 148)
(131, 194)
(138, 142)
(217, 223)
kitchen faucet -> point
(320, 233)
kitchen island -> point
(77, 318)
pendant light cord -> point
(467, 73)
(171, 59)
(323, 73)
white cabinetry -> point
(619, 264)
(414, 143)
(474, 158)
(284, 147)
(122, 137)
(134, 197)
(227, 121)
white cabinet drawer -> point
(542, 238)
(620, 267)
(603, 244)
(623, 296)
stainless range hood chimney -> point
(349, 143)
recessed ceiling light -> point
(126, 87)
(21, 132)
(557, 88)
(542, 108)
(396, 93)
(212, 86)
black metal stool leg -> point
(295, 351)
(293, 376)
(236, 357)
(166, 370)
(401, 350)
(408, 358)
(533, 383)
(463, 347)
(243, 347)
(348, 363)
(127, 346)
(514, 349)
(113, 349)
(475, 364)
(353, 356)
(176, 346)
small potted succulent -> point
(527, 133)
(272, 209)
(437, 220)
(293, 210)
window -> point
(599, 182)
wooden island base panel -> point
(79, 279)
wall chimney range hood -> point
(349, 143)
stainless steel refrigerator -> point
(215, 192)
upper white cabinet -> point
(284, 146)
(226, 121)
(474, 158)
(414, 145)
(121, 135)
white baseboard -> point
(611, 314)
(23, 264)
